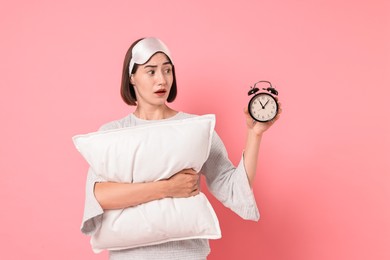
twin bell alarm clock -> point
(263, 106)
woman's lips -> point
(160, 92)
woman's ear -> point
(131, 79)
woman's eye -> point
(151, 72)
(167, 71)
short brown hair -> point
(127, 89)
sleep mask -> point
(145, 49)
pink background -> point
(323, 184)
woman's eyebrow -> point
(150, 66)
(155, 66)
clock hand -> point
(261, 104)
(266, 103)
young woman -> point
(149, 84)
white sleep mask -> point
(145, 49)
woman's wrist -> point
(163, 190)
(255, 134)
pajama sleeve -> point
(93, 212)
(229, 184)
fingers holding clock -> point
(279, 112)
(261, 127)
(249, 120)
(279, 107)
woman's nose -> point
(161, 78)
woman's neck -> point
(155, 113)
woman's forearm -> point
(112, 195)
(253, 140)
(251, 154)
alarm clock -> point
(263, 106)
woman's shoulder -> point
(114, 124)
(183, 115)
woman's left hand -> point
(258, 127)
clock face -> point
(263, 107)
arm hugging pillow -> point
(146, 153)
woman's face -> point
(153, 80)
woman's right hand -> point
(183, 184)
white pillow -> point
(147, 153)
